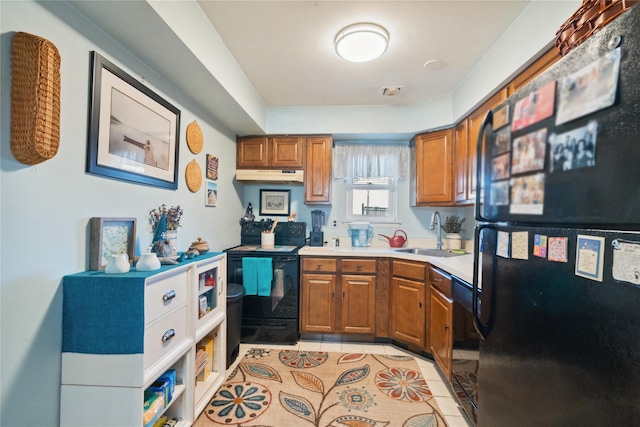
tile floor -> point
(448, 404)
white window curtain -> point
(370, 161)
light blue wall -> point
(413, 220)
(45, 209)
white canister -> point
(118, 264)
(148, 262)
(268, 240)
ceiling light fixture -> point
(361, 42)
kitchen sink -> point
(429, 252)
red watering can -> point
(396, 241)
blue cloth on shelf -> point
(265, 276)
(257, 274)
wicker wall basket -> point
(35, 99)
(588, 19)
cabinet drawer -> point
(359, 266)
(319, 264)
(410, 270)
(161, 337)
(163, 296)
(440, 280)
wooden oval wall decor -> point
(193, 175)
(194, 137)
(35, 99)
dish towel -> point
(257, 274)
(265, 276)
(250, 275)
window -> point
(371, 199)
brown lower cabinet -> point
(338, 295)
(441, 325)
(408, 308)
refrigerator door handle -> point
(488, 119)
(483, 329)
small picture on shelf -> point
(204, 306)
(207, 280)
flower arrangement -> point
(173, 215)
(453, 224)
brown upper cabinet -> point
(263, 152)
(318, 171)
(313, 154)
(533, 70)
(475, 122)
(431, 168)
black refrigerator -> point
(557, 272)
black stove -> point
(268, 315)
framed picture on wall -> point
(110, 236)
(133, 132)
(275, 202)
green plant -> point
(453, 224)
(173, 215)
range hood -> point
(270, 175)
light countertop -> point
(460, 266)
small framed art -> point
(110, 236)
(275, 202)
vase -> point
(454, 240)
(148, 262)
(118, 264)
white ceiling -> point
(286, 50)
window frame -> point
(361, 183)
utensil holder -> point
(267, 240)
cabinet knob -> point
(168, 335)
(319, 267)
(169, 295)
(358, 268)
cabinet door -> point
(252, 152)
(433, 163)
(461, 162)
(532, 71)
(317, 174)
(408, 311)
(317, 303)
(286, 152)
(358, 304)
(441, 330)
(475, 121)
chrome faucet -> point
(436, 223)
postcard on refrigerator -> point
(557, 249)
(590, 89)
(535, 107)
(500, 167)
(529, 151)
(499, 193)
(520, 245)
(502, 143)
(502, 248)
(527, 194)
(590, 257)
(574, 149)
(540, 245)
(501, 117)
(626, 261)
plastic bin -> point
(235, 294)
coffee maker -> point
(316, 236)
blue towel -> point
(250, 275)
(265, 276)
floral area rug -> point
(282, 388)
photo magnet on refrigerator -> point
(590, 257)
(626, 261)
(557, 249)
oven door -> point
(272, 318)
